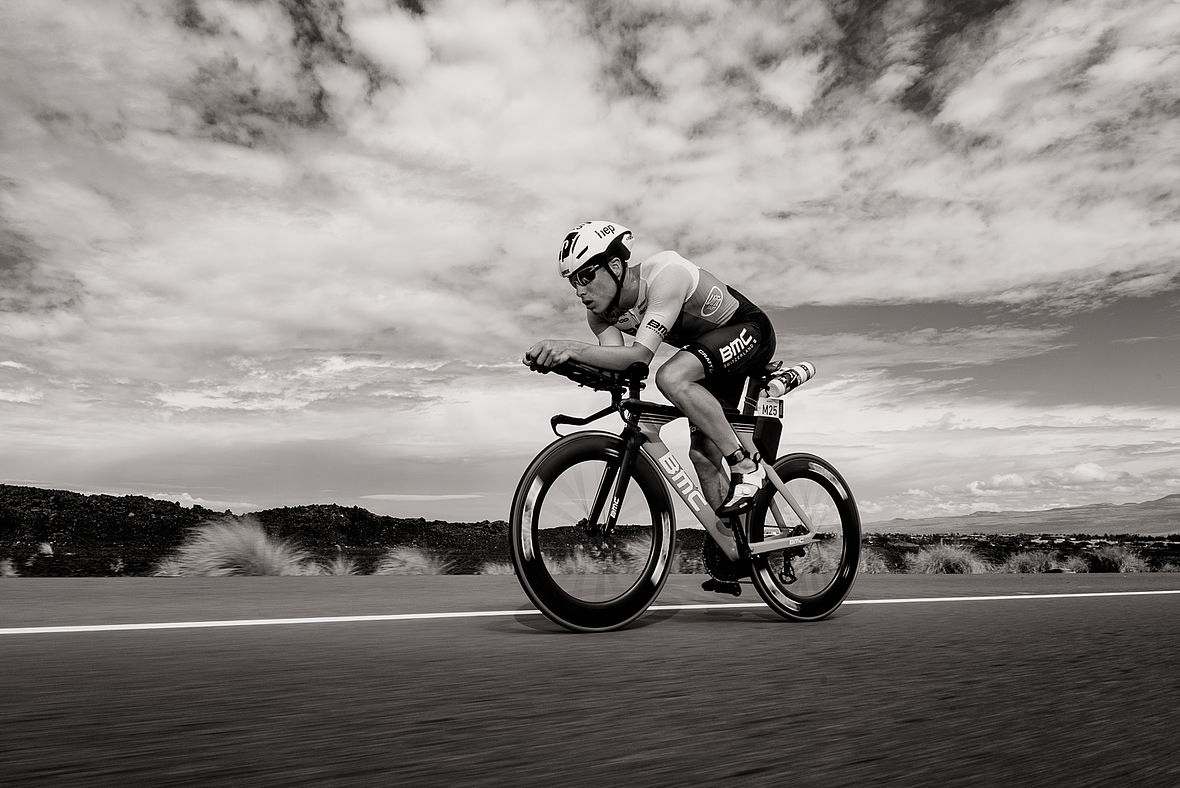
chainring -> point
(719, 565)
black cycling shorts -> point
(734, 351)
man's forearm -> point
(616, 357)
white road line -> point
(263, 622)
(1010, 596)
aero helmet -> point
(592, 242)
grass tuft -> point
(169, 566)
(688, 562)
(1116, 558)
(497, 568)
(824, 558)
(7, 569)
(1031, 562)
(579, 562)
(242, 548)
(629, 557)
(340, 566)
(635, 553)
(821, 558)
(411, 561)
(946, 559)
(872, 562)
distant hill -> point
(1150, 518)
(56, 532)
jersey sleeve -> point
(666, 294)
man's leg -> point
(712, 472)
(710, 467)
(679, 380)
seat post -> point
(754, 385)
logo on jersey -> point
(713, 302)
(626, 322)
(738, 347)
(657, 327)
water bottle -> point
(790, 378)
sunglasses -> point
(584, 276)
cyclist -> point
(722, 337)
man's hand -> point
(549, 353)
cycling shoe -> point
(743, 488)
(722, 586)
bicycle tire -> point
(572, 588)
(821, 573)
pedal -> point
(722, 586)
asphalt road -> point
(1080, 690)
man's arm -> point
(617, 357)
(666, 295)
(551, 352)
(607, 333)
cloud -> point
(188, 501)
(226, 222)
(415, 152)
(1085, 473)
(20, 396)
(1082, 474)
(933, 349)
(415, 497)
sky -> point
(260, 253)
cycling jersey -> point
(688, 307)
(678, 302)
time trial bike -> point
(593, 527)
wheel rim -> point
(587, 567)
(807, 576)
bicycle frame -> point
(647, 419)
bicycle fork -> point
(612, 489)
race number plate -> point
(770, 406)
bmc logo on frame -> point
(692, 496)
(738, 347)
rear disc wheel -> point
(810, 582)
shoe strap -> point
(742, 454)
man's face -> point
(595, 287)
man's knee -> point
(674, 379)
(667, 382)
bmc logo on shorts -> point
(738, 347)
